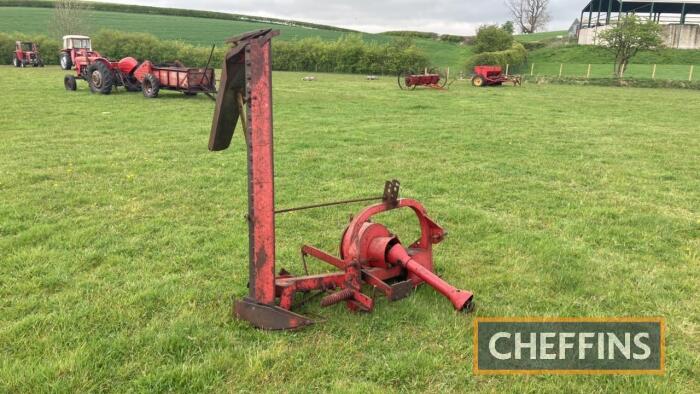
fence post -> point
(561, 69)
(532, 70)
(588, 73)
(653, 72)
(690, 76)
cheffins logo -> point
(622, 346)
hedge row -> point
(534, 45)
(349, 54)
(139, 9)
(452, 38)
(117, 45)
(515, 56)
(427, 35)
(412, 34)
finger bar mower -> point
(370, 255)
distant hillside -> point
(138, 9)
(203, 28)
(205, 31)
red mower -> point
(26, 54)
(493, 76)
(103, 74)
(408, 80)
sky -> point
(460, 17)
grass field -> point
(545, 35)
(122, 239)
(201, 31)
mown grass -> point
(122, 239)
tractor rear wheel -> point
(15, 61)
(478, 81)
(150, 86)
(70, 83)
(100, 78)
(66, 62)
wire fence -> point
(676, 72)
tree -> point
(628, 37)
(508, 27)
(492, 39)
(530, 15)
(68, 18)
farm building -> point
(680, 19)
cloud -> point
(441, 16)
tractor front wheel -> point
(478, 81)
(150, 86)
(66, 62)
(15, 61)
(70, 83)
(100, 78)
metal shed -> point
(605, 12)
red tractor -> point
(493, 76)
(102, 74)
(26, 54)
(92, 67)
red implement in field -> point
(408, 80)
(175, 76)
(493, 75)
(26, 54)
(370, 255)
(103, 74)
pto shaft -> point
(461, 299)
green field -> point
(204, 31)
(201, 31)
(123, 240)
(546, 35)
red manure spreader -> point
(102, 74)
(493, 76)
(26, 54)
